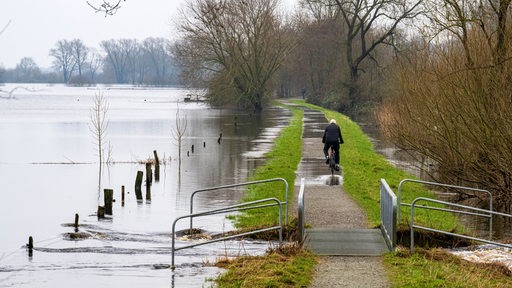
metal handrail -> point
(237, 185)
(300, 204)
(442, 185)
(233, 208)
(485, 213)
(388, 211)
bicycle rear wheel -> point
(332, 162)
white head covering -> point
(333, 121)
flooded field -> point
(50, 172)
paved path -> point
(328, 206)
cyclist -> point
(332, 137)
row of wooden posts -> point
(109, 193)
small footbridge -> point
(350, 241)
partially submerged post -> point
(101, 212)
(149, 180)
(138, 184)
(122, 195)
(148, 193)
(149, 174)
(109, 197)
(30, 246)
(76, 222)
(157, 167)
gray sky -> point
(36, 25)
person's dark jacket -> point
(332, 134)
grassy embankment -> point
(363, 168)
(288, 266)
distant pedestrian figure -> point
(332, 138)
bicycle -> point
(332, 162)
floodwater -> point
(50, 172)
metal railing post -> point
(388, 210)
(300, 218)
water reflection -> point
(49, 169)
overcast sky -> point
(36, 25)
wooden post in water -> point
(148, 192)
(157, 167)
(149, 174)
(109, 197)
(101, 212)
(122, 195)
(76, 222)
(138, 184)
(30, 246)
(149, 180)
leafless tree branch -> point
(106, 7)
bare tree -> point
(368, 25)
(98, 127)
(462, 19)
(80, 53)
(136, 64)
(27, 70)
(318, 59)
(93, 64)
(234, 48)
(119, 55)
(107, 7)
(178, 133)
(64, 60)
(156, 52)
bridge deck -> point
(346, 242)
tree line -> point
(335, 53)
(121, 61)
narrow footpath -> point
(328, 206)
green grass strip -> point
(282, 162)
